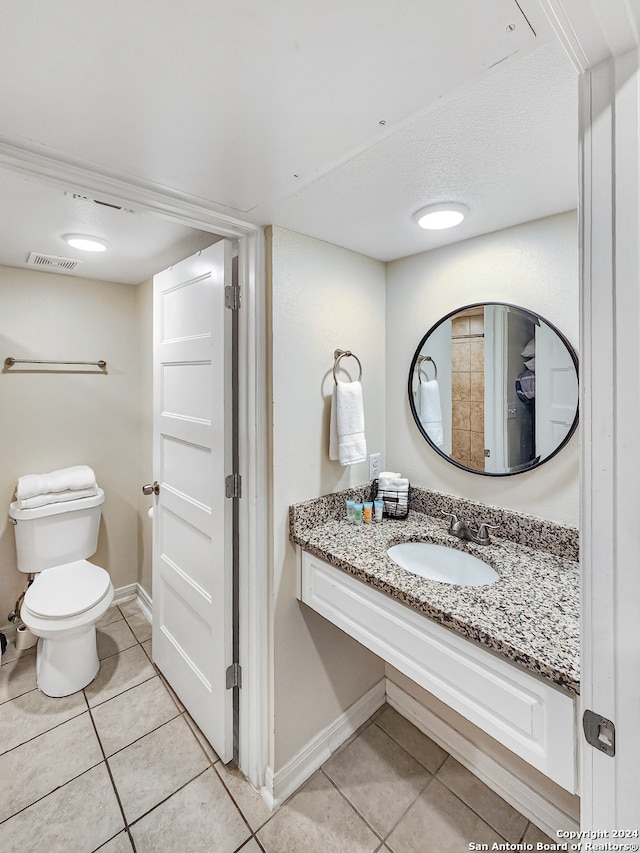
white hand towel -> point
(386, 478)
(64, 479)
(56, 497)
(347, 442)
(399, 483)
(431, 411)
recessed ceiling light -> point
(434, 217)
(86, 243)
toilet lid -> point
(67, 590)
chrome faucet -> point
(463, 530)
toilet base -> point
(67, 657)
(66, 665)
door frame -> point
(602, 38)
(33, 163)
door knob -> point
(151, 488)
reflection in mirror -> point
(494, 389)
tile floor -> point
(120, 766)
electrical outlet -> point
(374, 466)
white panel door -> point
(192, 528)
(556, 391)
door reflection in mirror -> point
(494, 388)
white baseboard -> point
(144, 602)
(529, 802)
(281, 784)
(125, 593)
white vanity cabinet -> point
(521, 710)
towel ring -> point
(342, 353)
(421, 360)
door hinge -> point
(234, 676)
(232, 296)
(599, 732)
(233, 486)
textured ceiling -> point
(506, 147)
(338, 122)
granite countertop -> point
(530, 615)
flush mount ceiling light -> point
(434, 217)
(86, 243)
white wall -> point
(54, 417)
(322, 298)
(534, 265)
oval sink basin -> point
(438, 563)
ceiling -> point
(338, 123)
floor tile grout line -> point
(28, 740)
(117, 651)
(378, 835)
(52, 791)
(416, 798)
(409, 807)
(258, 841)
(237, 805)
(185, 714)
(88, 709)
(138, 739)
(23, 656)
(168, 797)
(179, 713)
(252, 837)
(17, 696)
(112, 780)
(472, 809)
(126, 690)
(402, 746)
(434, 773)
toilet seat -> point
(68, 590)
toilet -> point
(68, 595)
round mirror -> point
(494, 389)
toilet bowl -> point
(68, 594)
(61, 608)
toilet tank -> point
(56, 533)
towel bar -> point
(342, 353)
(9, 362)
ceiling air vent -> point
(52, 262)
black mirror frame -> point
(536, 462)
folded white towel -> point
(393, 483)
(393, 490)
(65, 479)
(56, 497)
(347, 442)
(386, 478)
(431, 411)
(399, 483)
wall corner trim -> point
(281, 783)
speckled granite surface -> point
(530, 615)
